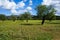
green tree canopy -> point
(13, 17)
(44, 12)
(2, 17)
(26, 16)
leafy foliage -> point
(44, 12)
(2, 17)
(13, 17)
(26, 16)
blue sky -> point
(25, 5)
(16, 7)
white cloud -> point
(6, 4)
(12, 6)
(30, 2)
(9, 5)
(25, 10)
(13, 11)
(29, 8)
(46, 2)
(21, 4)
(55, 3)
(0, 3)
(22, 11)
(24, 0)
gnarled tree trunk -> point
(43, 20)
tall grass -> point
(33, 30)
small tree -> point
(21, 17)
(13, 17)
(26, 16)
(2, 17)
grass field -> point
(33, 30)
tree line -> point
(43, 13)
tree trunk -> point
(43, 20)
(26, 20)
(13, 20)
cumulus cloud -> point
(46, 2)
(24, 0)
(21, 4)
(29, 8)
(12, 6)
(30, 2)
(13, 11)
(26, 10)
(9, 5)
(0, 3)
(6, 4)
(22, 11)
(55, 3)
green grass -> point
(33, 30)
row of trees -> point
(25, 16)
(43, 12)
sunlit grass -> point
(33, 30)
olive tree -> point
(44, 12)
(13, 17)
(26, 16)
(2, 17)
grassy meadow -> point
(33, 30)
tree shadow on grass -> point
(30, 24)
(52, 23)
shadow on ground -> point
(52, 23)
(30, 24)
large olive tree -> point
(44, 12)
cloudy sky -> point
(17, 7)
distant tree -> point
(13, 17)
(34, 17)
(18, 18)
(44, 12)
(26, 16)
(57, 17)
(8, 17)
(21, 17)
(2, 17)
